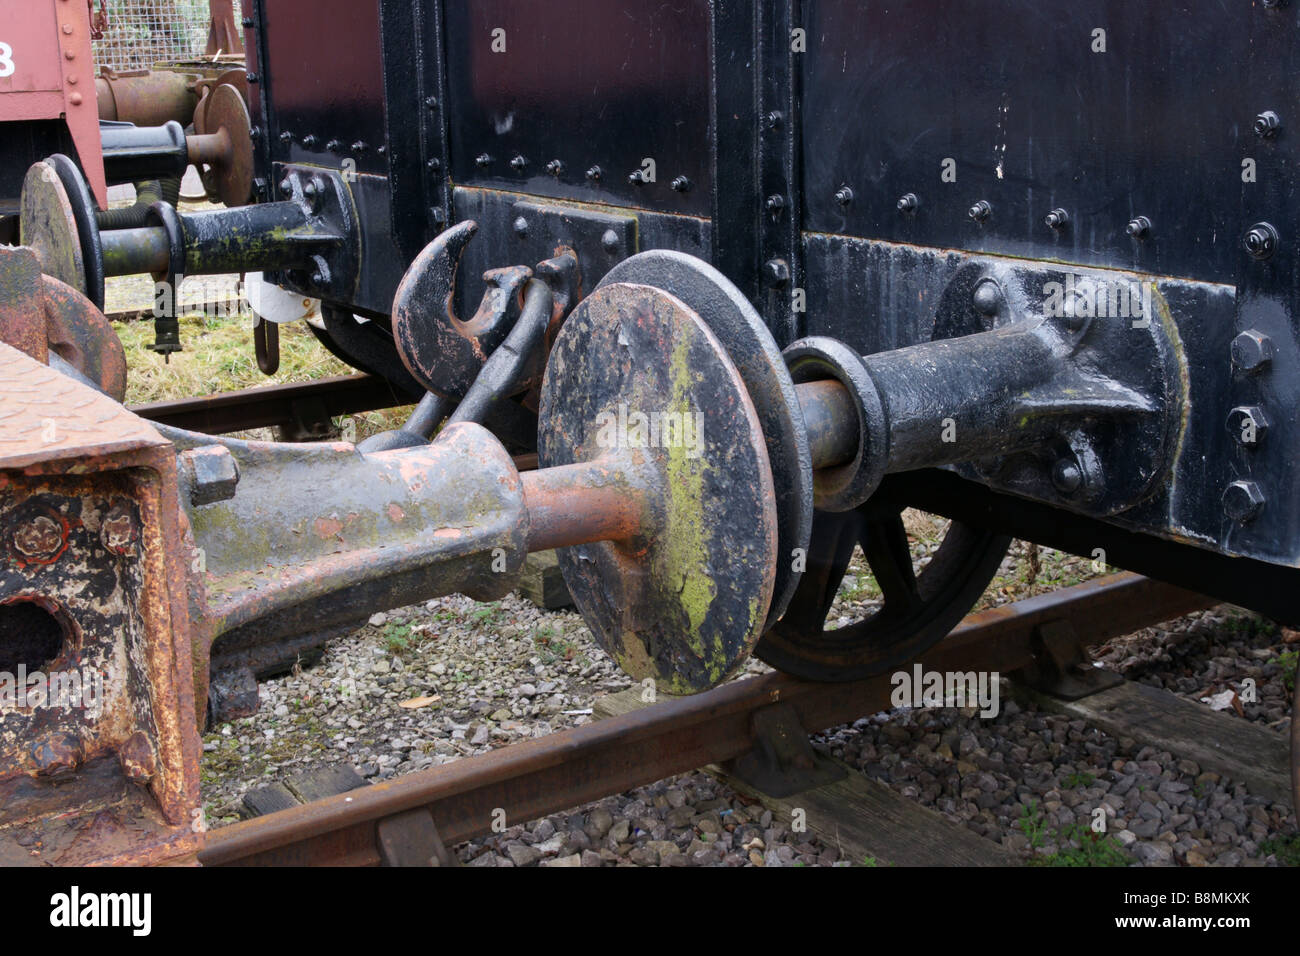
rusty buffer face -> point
(98, 747)
(638, 380)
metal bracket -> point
(1060, 667)
(782, 762)
(411, 839)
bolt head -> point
(555, 167)
(775, 202)
(1261, 240)
(609, 241)
(431, 102)
(1138, 227)
(310, 141)
(908, 202)
(286, 137)
(593, 173)
(482, 159)
(1057, 218)
(774, 120)
(521, 227)
(681, 184)
(1252, 350)
(1267, 124)
(286, 186)
(1243, 500)
(980, 211)
(1248, 424)
(518, 163)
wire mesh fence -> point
(141, 33)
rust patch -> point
(327, 528)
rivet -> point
(75, 99)
(286, 186)
(521, 227)
(774, 120)
(252, 77)
(431, 102)
(987, 297)
(1067, 476)
(777, 271)
(609, 240)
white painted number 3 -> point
(6, 60)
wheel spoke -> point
(834, 537)
(887, 550)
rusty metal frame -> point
(121, 785)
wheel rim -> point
(918, 610)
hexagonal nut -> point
(1248, 425)
(57, 755)
(1243, 500)
(1252, 350)
(138, 759)
(213, 473)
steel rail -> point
(265, 406)
(572, 767)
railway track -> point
(415, 817)
(267, 406)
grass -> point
(398, 638)
(1082, 846)
(1079, 780)
(1287, 660)
(1078, 845)
(218, 356)
(1285, 848)
(553, 645)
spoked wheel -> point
(917, 610)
